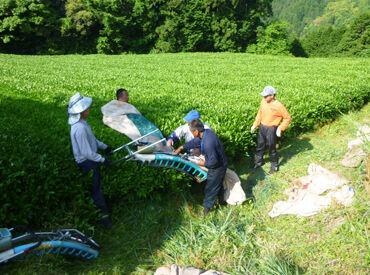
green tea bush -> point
(40, 181)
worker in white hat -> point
(85, 149)
(269, 116)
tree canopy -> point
(139, 26)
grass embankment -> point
(240, 239)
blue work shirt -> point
(211, 147)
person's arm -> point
(194, 143)
(258, 119)
(178, 134)
(85, 148)
(173, 137)
(286, 118)
(101, 145)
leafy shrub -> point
(276, 39)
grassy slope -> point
(240, 239)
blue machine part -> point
(177, 163)
(144, 125)
(60, 247)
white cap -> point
(77, 104)
(268, 90)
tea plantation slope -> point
(35, 148)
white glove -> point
(194, 160)
(278, 132)
(170, 142)
(252, 129)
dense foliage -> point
(40, 182)
(140, 26)
(276, 39)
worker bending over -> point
(215, 160)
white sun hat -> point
(76, 105)
(268, 90)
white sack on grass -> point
(234, 193)
(356, 154)
(353, 157)
(305, 197)
(187, 270)
(363, 135)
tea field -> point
(41, 186)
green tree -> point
(356, 40)
(210, 25)
(27, 26)
(274, 40)
(80, 26)
(322, 42)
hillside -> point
(306, 15)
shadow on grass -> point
(250, 177)
(292, 147)
(36, 156)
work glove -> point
(194, 160)
(278, 132)
(170, 142)
(253, 129)
(107, 162)
(108, 150)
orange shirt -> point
(271, 114)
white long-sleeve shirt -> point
(84, 143)
(183, 131)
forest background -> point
(305, 28)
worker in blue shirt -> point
(215, 160)
(85, 149)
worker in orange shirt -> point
(269, 116)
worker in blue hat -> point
(184, 131)
(85, 149)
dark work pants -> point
(266, 136)
(96, 192)
(214, 186)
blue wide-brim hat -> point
(192, 115)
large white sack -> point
(234, 193)
(305, 195)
